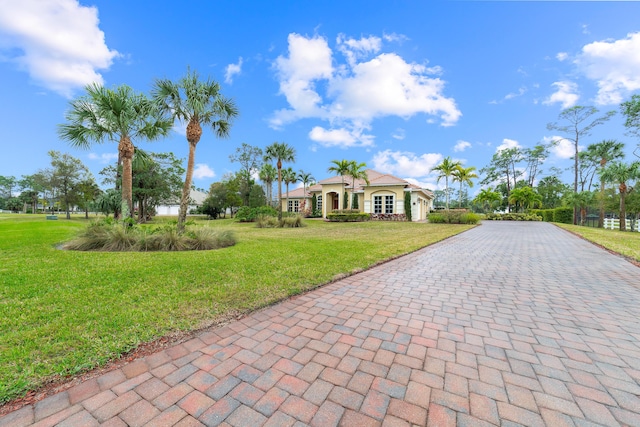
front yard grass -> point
(65, 312)
(623, 242)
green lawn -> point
(624, 243)
(64, 312)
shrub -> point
(469, 218)
(513, 217)
(563, 215)
(247, 214)
(263, 221)
(388, 217)
(436, 218)
(291, 222)
(547, 215)
(337, 216)
(116, 237)
(205, 238)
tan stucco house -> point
(384, 194)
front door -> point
(336, 204)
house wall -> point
(397, 192)
(327, 205)
(419, 206)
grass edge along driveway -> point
(66, 312)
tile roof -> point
(376, 179)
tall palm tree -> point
(281, 152)
(464, 176)
(356, 171)
(445, 170)
(305, 178)
(117, 114)
(340, 167)
(268, 174)
(606, 150)
(196, 103)
(620, 173)
(289, 176)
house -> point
(384, 194)
(172, 207)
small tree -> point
(345, 201)
(407, 205)
(354, 202)
(621, 173)
(314, 203)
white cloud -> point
(565, 94)
(370, 85)
(354, 49)
(393, 37)
(58, 42)
(232, 70)
(399, 134)
(202, 170)
(404, 163)
(614, 65)
(104, 157)
(562, 56)
(343, 138)
(507, 144)
(431, 184)
(560, 147)
(461, 146)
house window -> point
(383, 204)
(388, 204)
(377, 204)
(294, 206)
(319, 203)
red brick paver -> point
(506, 324)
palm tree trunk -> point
(623, 209)
(279, 165)
(126, 150)
(601, 206)
(186, 189)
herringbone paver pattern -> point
(507, 324)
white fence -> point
(614, 224)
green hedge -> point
(348, 217)
(513, 217)
(453, 216)
(563, 215)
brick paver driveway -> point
(507, 324)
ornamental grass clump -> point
(110, 236)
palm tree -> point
(487, 198)
(289, 176)
(526, 197)
(356, 171)
(619, 173)
(580, 200)
(340, 167)
(305, 178)
(268, 174)
(605, 150)
(445, 170)
(196, 103)
(281, 152)
(464, 176)
(117, 114)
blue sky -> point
(396, 84)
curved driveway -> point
(506, 324)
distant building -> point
(172, 207)
(383, 195)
